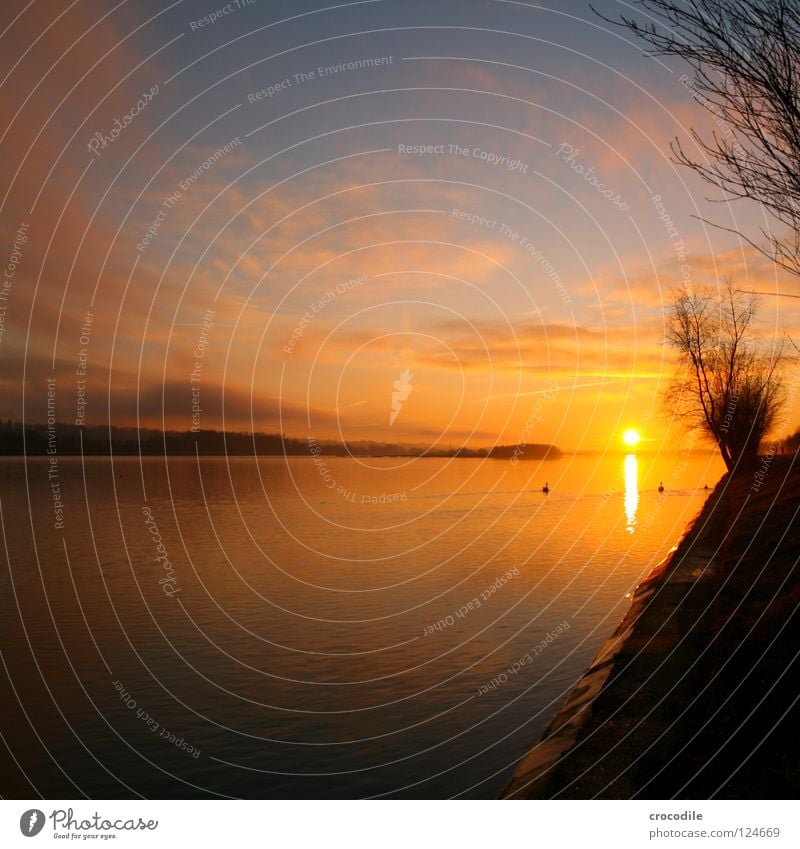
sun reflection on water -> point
(631, 491)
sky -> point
(441, 223)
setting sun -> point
(631, 437)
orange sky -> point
(326, 257)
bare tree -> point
(730, 385)
(745, 55)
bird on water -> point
(545, 488)
(661, 486)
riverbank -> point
(695, 695)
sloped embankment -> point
(696, 694)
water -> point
(314, 628)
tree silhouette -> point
(730, 385)
(745, 55)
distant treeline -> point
(68, 439)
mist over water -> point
(319, 627)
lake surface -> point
(312, 627)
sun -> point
(631, 437)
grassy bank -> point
(696, 694)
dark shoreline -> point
(695, 693)
(68, 440)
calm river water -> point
(308, 627)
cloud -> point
(262, 240)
